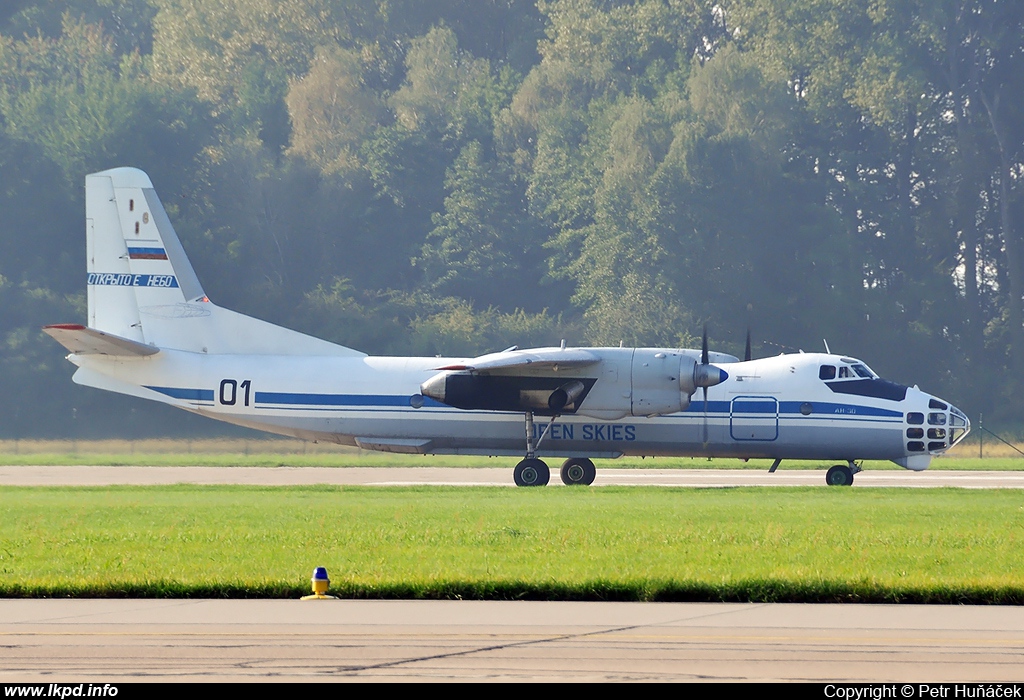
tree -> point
(445, 90)
(481, 246)
(89, 109)
(332, 112)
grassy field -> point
(748, 544)
(299, 453)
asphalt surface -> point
(111, 641)
(399, 476)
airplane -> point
(152, 332)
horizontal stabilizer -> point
(81, 340)
(542, 357)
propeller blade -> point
(704, 361)
(705, 416)
(747, 356)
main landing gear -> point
(534, 472)
(531, 472)
(574, 472)
(841, 474)
(578, 471)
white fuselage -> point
(776, 407)
(152, 332)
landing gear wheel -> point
(578, 472)
(531, 472)
(839, 475)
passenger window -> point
(827, 372)
(915, 418)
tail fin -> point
(142, 287)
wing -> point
(540, 358)
(514, 380)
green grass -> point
(749, 544)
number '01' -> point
(229, 392)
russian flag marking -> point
(147, 254)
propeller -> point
(704, 361)
(706, 374)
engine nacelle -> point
(664, 381)
(627, 381)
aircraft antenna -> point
(827, 351)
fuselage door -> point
(754, 418)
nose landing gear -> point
(841, 474)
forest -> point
(457, 176)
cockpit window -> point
(850, 369)
(863, 371)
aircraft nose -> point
(942, 412)
(959, 425)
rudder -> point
(134, 257)
(142, 287)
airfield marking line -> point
(936, 641)
(431, 483)
(802, 474)
(296, 635)
(167, 603)
(495, 647)
(529, 639)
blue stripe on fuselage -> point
(823, 409)
(290, 399)
(187, 394)
(819, 409)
